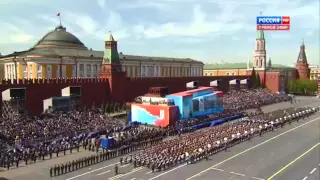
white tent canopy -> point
(233, 82)
(214, 83)
(244, 81)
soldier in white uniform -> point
(260, 130)
(225, 143)
(272, 125)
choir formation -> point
(28, 139)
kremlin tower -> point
(260, 53)
(302, 66)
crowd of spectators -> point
(29, 139)
(236, 103)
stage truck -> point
(166, 110)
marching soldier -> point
(58, 169)
(116, 169)
(152, 167)
(62, 168)
(69, 166)
(55, 170)
(51, 169)
(260, 131)
(121, 160)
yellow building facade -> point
(60, 54)
(314, 72)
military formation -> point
(60, 169)
(195, 146)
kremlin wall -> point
(97, 91)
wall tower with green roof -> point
(111, 68)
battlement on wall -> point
(54, 81)
(184, 77)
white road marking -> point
(149, 172)
(253, 147)
(125, 165)
(237, 174)
(217, 169)
(103, 173)
(91, 171)
(257, 178)
(313, 170)
(122, 175)
(168, 171)
(305, 178)
(133, 179)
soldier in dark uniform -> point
(152, 167)
(65, 167)
(43, 155)
(17, 162)
(58, 169)
(55, 170)
(121, 160)
(69, 166)
(64, 150)
(51, 169)
(116, 168)
(134, 163)
(62, 168)
(206, 156)
(73, 165)
(57, 152)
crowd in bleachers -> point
(251, 99)
(39, 138)
(236, 103)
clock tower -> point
(111, 68)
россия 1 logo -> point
(273, 23)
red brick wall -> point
(97, 90)
(139, 86)
(272, 80)
(94, 91)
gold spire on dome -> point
(111, 37)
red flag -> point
(58, 14)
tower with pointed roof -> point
(259, 57)
(269, 63)
(302, 66)
(111, 68)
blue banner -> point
(269, 19)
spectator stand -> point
(245, 84)
(13, 102)
(234, 84)
(74, 92)
(216, 85)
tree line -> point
(302, 87)
(255, 79)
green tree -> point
(258, 83)
(302, 87)
(253, 78)
(124, 107)
(106, 108)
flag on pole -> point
(58, 14)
